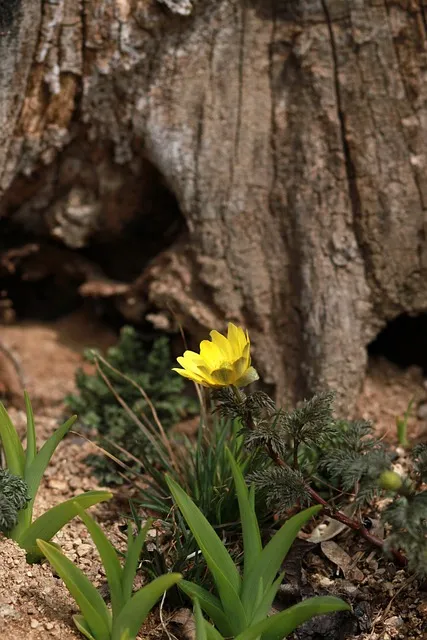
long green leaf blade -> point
(252, 545)
(54, 519)
(31, 451)
(136, 610)
(273, 554)
(204, 630)
(12, 447)
(212, 633)
(83, 627)
(92, 606)
(34, 472)
(264, 605)
(38, 466)
(110, 560)
(132, 558)
(207, 539)
(282, 624)
(210, 604)
(200, 622)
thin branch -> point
(353, 524)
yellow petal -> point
(237, 339)
(208, 377)
(248, 377)
(223, 376)
(189, 362)
(191, 376)
(211, 354)
(240, 366)
(190, 356)
(222, 343)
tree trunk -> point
(293, 134)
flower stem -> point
(239, 395)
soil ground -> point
(35, 605)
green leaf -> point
(35, 471)
(53, 520)
(204, 630)
(282, 624)
(264, 606)
(132, 558)
(12, 447)
(224, 572)
(210, 544)
(200, 622)
(212, 633)
(273, 554)
(210, 604)
(136, 610)
(83, 627)
(110, 560)
(31, 451)
(230, 600)
(252, 545)
(88, 599)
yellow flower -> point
(222, 362)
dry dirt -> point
(35, 605)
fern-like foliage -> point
(283, 488)
(354, 456)
(419, 455)
(311, 422)
(310, 449)
(407, 519)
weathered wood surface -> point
(293, 134)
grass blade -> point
(31, 451)
(204, 630)
(110, 561)
(33, 472)
(53, 520)
(38, 466)
(212, 633)
(210, 604)
(222, 567)
(132, 558)
(264, 606)
(200, 622)
(273, 554)
(12, 447)
(83, 627)
(282, 624)
(92, 606)
(209, 543)
(136, 610)
(252, 545)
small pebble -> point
(83, 549)
(394, 621)
(34, 623)
(58, 485)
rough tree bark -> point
(293, 134)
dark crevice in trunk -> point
(403, 342)
(40, 277)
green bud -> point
(390, 480)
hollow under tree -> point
(293, 134)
